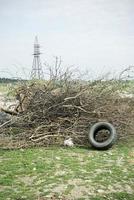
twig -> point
(78, 107)
(9, 111)
(5, 123)
(74, 97)
(45, 137)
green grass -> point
(73, 173)
(3, 87)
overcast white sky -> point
(97, 35)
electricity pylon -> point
(37, 72)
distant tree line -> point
(8, 80)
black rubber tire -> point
(106, 144)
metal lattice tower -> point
(37, 72)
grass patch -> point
(75, 173)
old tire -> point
(98, 127)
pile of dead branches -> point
(50, 112)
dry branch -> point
(63, 108)
(11, 112)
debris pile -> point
(51, 112)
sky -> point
(91, 35)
